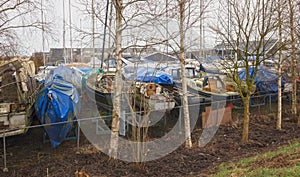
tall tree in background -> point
(187, 19)
(279, 106)
(17, 14)
(247, 29)
(141, 17)
(183, 74)
(293, 57)
(296, 64)
(118, 4)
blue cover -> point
(57, 102)
(265, 81)
(146, 74)
(85, 70)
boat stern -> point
(12, 123)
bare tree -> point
(246, 29)
(120, 26)
(295, 63)
(118, 4)
(17, 14)
(293, 56)
(279, 66)
(142, 17)
(183, 75)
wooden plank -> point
(215, 117)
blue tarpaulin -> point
(57, 102)
(85, 70)
(265, 81)
(147, 74)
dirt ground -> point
(27, 155)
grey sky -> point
(33, 40)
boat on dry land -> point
(210, 86)
(58, 104)
(153, 90)
(98, 86)
(17, 95)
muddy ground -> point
(27, 155)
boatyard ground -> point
(268, 149)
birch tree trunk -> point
(293, 43)
(117, 83)
(245, 134)
(188, 142)
(279, 104)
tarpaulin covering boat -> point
(145, 74)
(265, 81)
(70, 74)
(56, 103)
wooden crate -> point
(216, 117)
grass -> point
(284, 161)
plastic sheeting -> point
(89, 73)
(70, 74)
(146, 74)
(85, 70)
(265, 81)
(57, 102)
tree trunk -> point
(188, 142)
(246, 119)
(293, 42)
(117, 83)
(279, 104)
(298, 121)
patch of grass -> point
(251, 166)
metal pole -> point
(78, 134)
(93, 33)
(105, 24)
(81, 42)
(64, 33)
(217, 118)
(43, 33)
(70, 21)
(5, 169)
(201, 28)
(228, 22)
(270, 103)
(167, 26)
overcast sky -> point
(33, 41)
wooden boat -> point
(209, 86)
(98, 86)
(212, 86)
(153, 90)
(152, 97)
(17, 96)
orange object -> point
(230, 88)
(151, 89)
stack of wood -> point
(9, 92)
